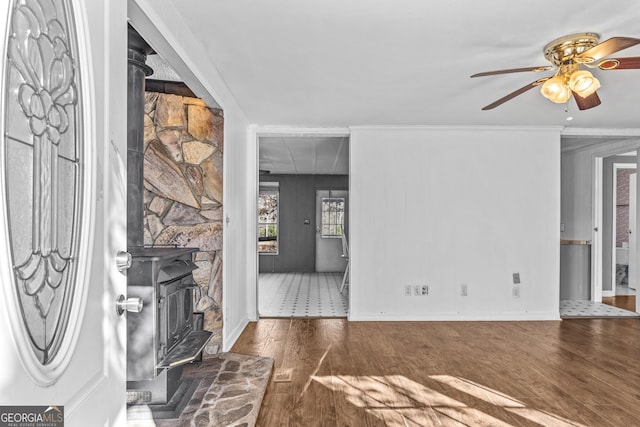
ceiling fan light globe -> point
(583, 83)
(556, 90)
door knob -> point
(123, 261)
(134, 305)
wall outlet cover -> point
(516, 292)
(416, 290)
(463, 290)
(425, 290)
(407, 291)
(516, 278)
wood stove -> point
(166, 334)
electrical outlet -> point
(416, 290)
(463, 290)
(516, 278)
(425, 290)
(407, 291)
(515, 292)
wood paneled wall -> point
(297, 203)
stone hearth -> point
(229, 394)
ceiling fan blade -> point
(607, 47)
(630, 63)
(590, 101)
(515, 93)
(514, 70)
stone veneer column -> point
(183, 152)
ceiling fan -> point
(570, 55)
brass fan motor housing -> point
(568, 48)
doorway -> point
(622, 228)
(588, 244)
(301, 275)
(616, 246)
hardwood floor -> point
(569, 373)
(625, 302)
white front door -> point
(62, 207)
(329, 229)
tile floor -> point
(576, 308)
(302, 295)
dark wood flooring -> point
(568, 373)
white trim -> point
(599, 146)
(598, 153)
(232, 336)
(608, 294)
(608, 148)
(252, 291)
(599, 132)
(301, 131)
(596, 241)
(458, 128)
(614, 225)
(454, 317)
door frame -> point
(285, 131)
(616, 145)
(633, 239)
(614, 228)
(596, 241)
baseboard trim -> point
(456, 317)
(230, 338)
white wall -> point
(452, 206)
(162, 29)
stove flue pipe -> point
(137, 70)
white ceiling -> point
(314, 155)
(406, 62)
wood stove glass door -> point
(62, 197)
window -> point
(332, 217)
(268, 218)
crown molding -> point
(474, 128)
(301, 131)
(600, 132)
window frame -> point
(269, 188)
(330, 224)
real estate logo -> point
(31, 416)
